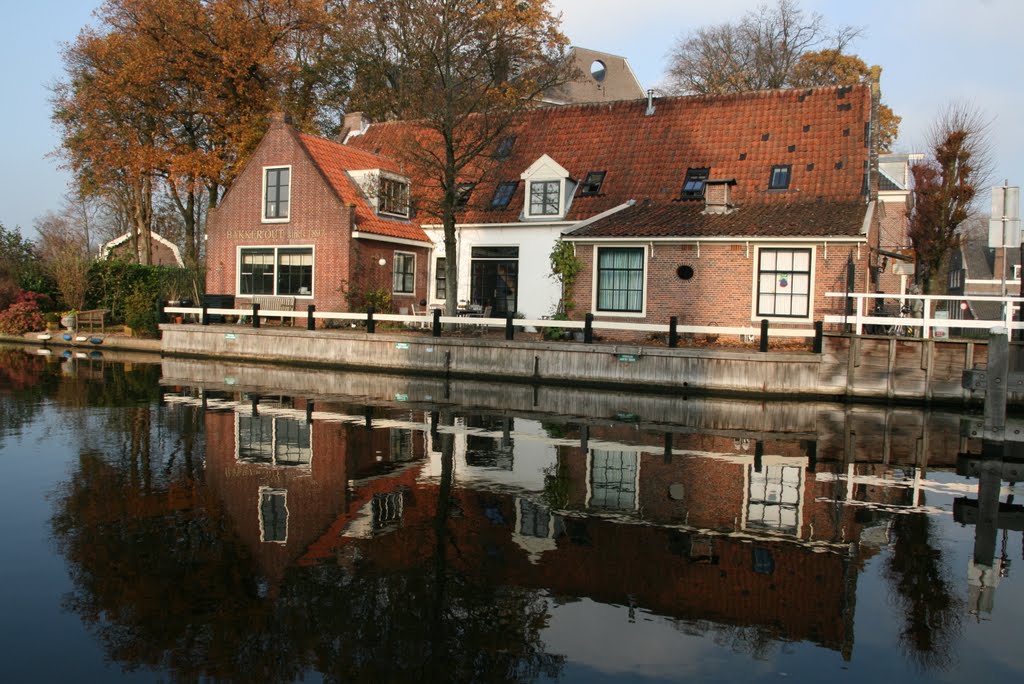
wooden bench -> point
(92, 319)
(275, 303)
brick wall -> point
(721, 290)
(367, 273)
(316, 217)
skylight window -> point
(503, 194)
(505, 147)
(780, 177)
(693, 185)
(592, 184)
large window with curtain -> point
(620, 279)
(275, 271)
(784, 283)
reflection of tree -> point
(24, 381)
(164, 583)
(443, 625)
(924, 594)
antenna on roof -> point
(650, 103)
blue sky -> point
(931, 52)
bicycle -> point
(900, 329)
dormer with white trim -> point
(387, 193)
(549, 190)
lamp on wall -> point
(382, 261)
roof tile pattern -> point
(820, 133)
(333, 160)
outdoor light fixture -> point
(382, 261)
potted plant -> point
(69, 319)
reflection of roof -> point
(819, 133)
(334, 161)
(687, 219)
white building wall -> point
(538, 292)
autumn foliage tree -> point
(463, 70)
(945, 187)
(170, 95)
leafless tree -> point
(64, 256)
(757, 52)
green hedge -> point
(130, 290)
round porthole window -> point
(598, 70)
(684, 272)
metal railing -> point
(920, 312)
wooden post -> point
(673, 333)
(819, 334)
(436, 327)
(205, 317)
(764, 334)
(998, 371)
(310, 322)
(509, 328)
(255, 315)
(371, 325)
(588, 329)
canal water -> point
(175, 520)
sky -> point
(932, 53)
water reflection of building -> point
(284, 477)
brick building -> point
(715, 209)
(312, 219)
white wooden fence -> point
(919, 311)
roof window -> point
(462, 194)
(780, 177)
(592, 184)
(693, 186)
(503, 194)
(505, 147)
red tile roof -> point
(334, 160)
(687, 219)
(820, 132)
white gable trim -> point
(109, 246)
(545, 167)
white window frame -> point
(263, 195)
(273, 443)
(386, 177)
(435, 297)
(593, 294)
(394, 264)
(755, 288)
(546, 170)
(238, 271)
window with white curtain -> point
(620, 279)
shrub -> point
(140, 311)
(24, 315)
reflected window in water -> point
(273, 440)
(764, 561)
(484, 451)
(273, 515)
(773, 498)
(401, 445)
(534, 520)
(387, 510)
(613, 480)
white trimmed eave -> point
(734, 239)
(869, 215)
(512, 224)
(597, 217)
(356, 235)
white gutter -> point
(733, 239)
(865, 226)
(387, 238)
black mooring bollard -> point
(310, 321)
(371, 325)
(673, 332)
(588, 329)
(819, 335)
(255, 315)
(764, 334)
(509, 328)
(436, 327)
(204, 318)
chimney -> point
(355, 123)
(718, 196)
(279, 119)
(650, 103)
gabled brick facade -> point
(328, 215)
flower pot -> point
(69, 321)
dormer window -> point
(547, 195)
(503, 194)
(545, 198)
(462, 194)
(693, 184)
(779, 179)
(276, 193)
(592, 184)
(394, 197)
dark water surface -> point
(198, 521)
